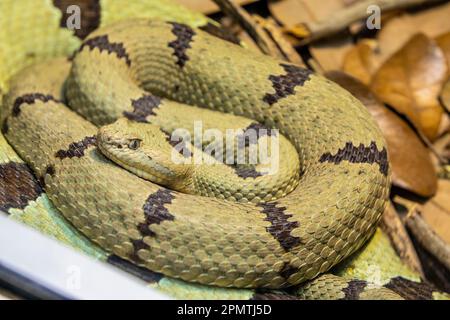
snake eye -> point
(134, 144)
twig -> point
(392, 225)
(430, 146)
(427, 237)
(255, 31)
(277, 36)
(353, 13)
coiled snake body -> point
(335, 208)
(124, 70)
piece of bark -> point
(427, 237)
(435, 271)
(392, 225)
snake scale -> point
(115, 71)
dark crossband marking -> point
(354, 289)
(140, 272)
(245, 172)
(5, 126)
(280, 227)
(17, 186)
(154, 209)
(220, 32)
(103, 44)
(76, 149)
(284, 85)
(411, 290)
(142, 108)
(30, 98)
(288, 271)
(155, 213)
(361, 154)
(259, 129)
(90, 15)
(182, 43)
(244, 140)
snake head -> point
(143, 149)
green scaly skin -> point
(331, 213)
(74, 124)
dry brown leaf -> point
(293, 12)
(207, 6)
(436, 211)
(444, 42)
(410, 161)
(330, 53)
(399, 30)
(411, 81)
(445, 96)
(358, 61)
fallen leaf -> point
(445, 96)
(410, 160)
(330, 53)
(397, 31)
(411, 80)
(436, 211)
(294, 12)
(358, 61)
(208, 6)
(444, 42)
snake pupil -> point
(134, 144)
